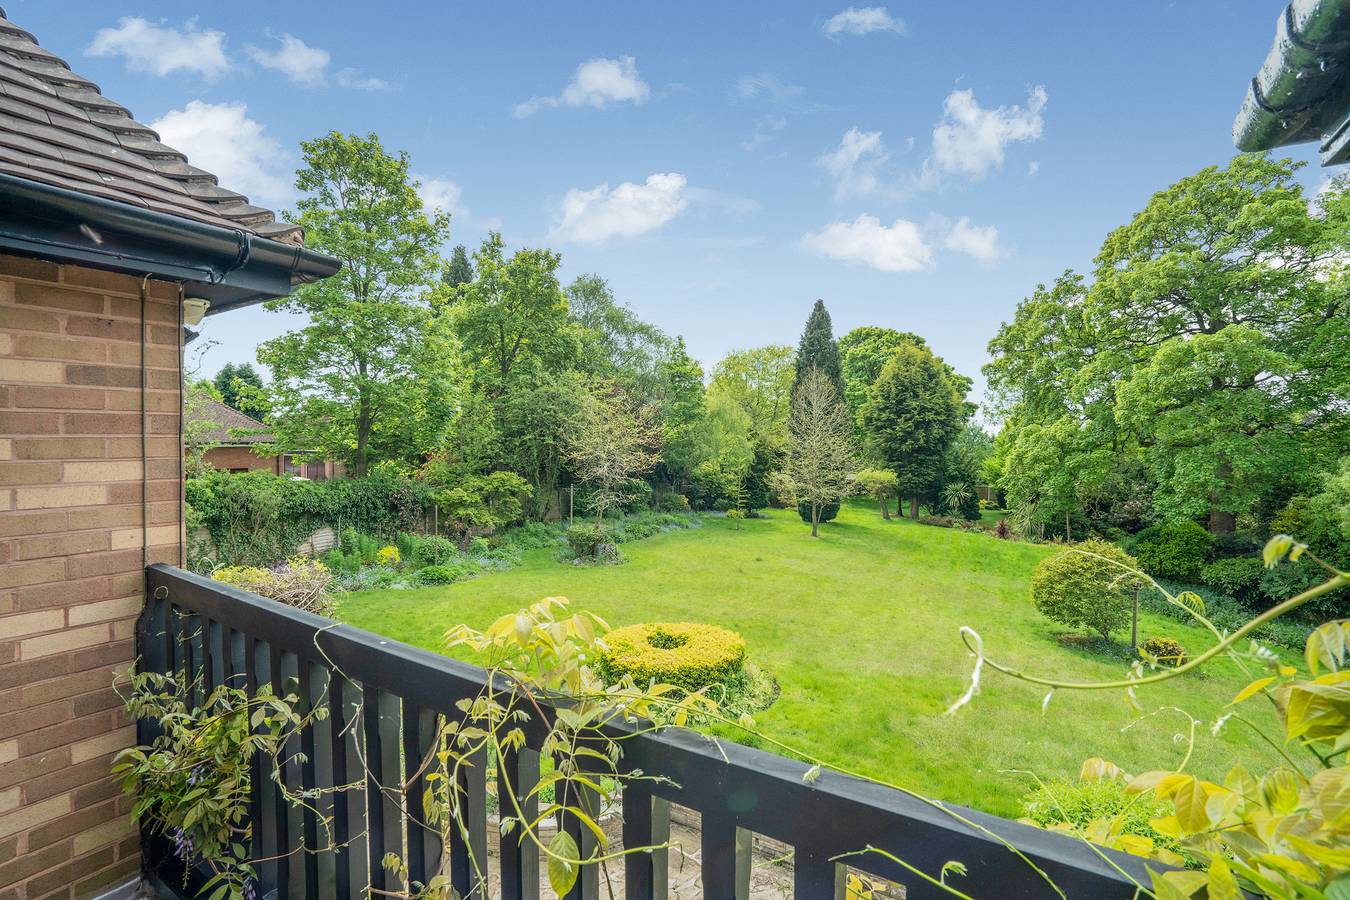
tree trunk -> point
(1134, 621)
(914, 506)
(362, 461)
(885, 508)
(815, 519)
(1067, 536)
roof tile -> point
(56, 127)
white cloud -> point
(443, 195)
(863, 20)
(161, 49)
(970, 139)
(767, 86)
(767, 129)
(295, 59)
(898, 247)
(981, 242)
(628, 210)
(223, 140)
(352, 78)
(855, 163)
(1033, 167)
(596, 83)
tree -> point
(1091, 586)
(911, 416)
(881, 484)
(535, 424)
(512, 319)
(459, 270)
(369, 377)
(862, 354)
(760, 381)
(820, 453)
(242, 388)
(1204, 345)
(483, 502)
(682, 408)
(615, 343)
(1054, 470)
(817, 349)
(612, 443)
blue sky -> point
(918, 165)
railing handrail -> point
(760, 791)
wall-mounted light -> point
(194, 308)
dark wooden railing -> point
(222, 634)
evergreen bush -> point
(688, 655)
(1176, 550)
(1088, 587)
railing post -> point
(419, 748)
(520, 855)
(469, 859)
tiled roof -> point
(57, 128)
(213, 422)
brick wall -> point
(71, 580)
(229, 458)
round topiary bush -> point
(827, 511)
(1173, 551)
(1088, 586)
(686, 654)
(1164, 650)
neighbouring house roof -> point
(82, 180)
(1302, 91)
(212, 422)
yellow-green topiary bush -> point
(688, 655)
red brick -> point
(31, 522)
(90, 564)
(104, 376)
(42, 295)
(108, 329)
(60, 448)
(100, 423)
(27, 267)
(18, 423)
(23, 319)
(12, 473)
(43, 397)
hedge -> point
(257, 518)
(686, 654)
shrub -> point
(533, 536)
(388, 555)
(1173, 551)
(433, 551)
(1164, 650)
(735, 514)
(300, 582)
(686, 654)
(827, 511)
(1081, 590)
(586, 540)
(1002, 529)
(362, 546)
(674, 503)
(939, 521)
(340, 562)
(1239, 577)
(443, 574)
(1076, 804)
(1226, 614)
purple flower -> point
(250, 889)
(182, 844)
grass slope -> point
(861, 629)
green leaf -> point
(562, 873)
(1222, 884)
(1252, 688)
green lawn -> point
(861, 629)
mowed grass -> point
(860, 627)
